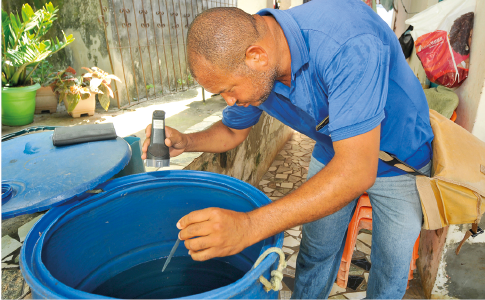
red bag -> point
(442, 35)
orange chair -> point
(453, 116)
(362, 219)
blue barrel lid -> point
(39, 175)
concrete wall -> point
(253, 6)
(471, 111)
(250, 160)
(443, 273)
(285, 4)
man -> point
(334, 71)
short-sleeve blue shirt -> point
(347, 65)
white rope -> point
(276, 275)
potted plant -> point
(22, 51)
(78, 93)
(45, 99)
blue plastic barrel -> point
(113, 244)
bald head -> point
(221, 36)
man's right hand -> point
(176, 141)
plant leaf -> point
(104, 97)
(95, 83)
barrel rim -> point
(53, 216)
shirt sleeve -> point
(240, 117)
(357, 80)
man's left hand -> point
(215, 232)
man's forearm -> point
(349, 174)
(216, 139)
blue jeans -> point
(396, 224)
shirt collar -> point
(296, 42)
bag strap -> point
(393, 161)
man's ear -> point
(256, 57)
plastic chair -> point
(362, 219)
(453, 116)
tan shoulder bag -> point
(455, 192)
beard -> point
(263, 83)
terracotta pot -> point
(45, 100)
(86, 106)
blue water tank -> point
(124, 234)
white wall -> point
(253, 6)
(471, 110)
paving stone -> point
(271, 185)
(272, 169)
(7, 258)
(363, 286)
(362, 263)
(282, 169)
(293, 179)
(299, 154)
(9, 245)
(365, 238)
(337, 290)
(17, 259)
(8, 266)
(24, 229)
(274, 198)
(284, 295)
(306, 146)
(288, 250)
(277, 194)
(358, 255)
(354, 282)
(354, 270)
(290, 242)
(362, 247)
(277, 163)
(290, 282)
(366, 276)
(292, 261)
(297, 173)
(356, 296)
(264, 182)
(288, 172)
(283, 152)
(296, 227)
(268, 190)
(289, 272)
(286, 164)
(288, 185)
(281, 176)
(287, 146)
(368, 258)
(337, 297)
(294, 233)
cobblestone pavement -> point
(287, 172)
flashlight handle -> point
(157, 148)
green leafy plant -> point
(44, 74)
(22, 46)
(99, 82)
(149, 86)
